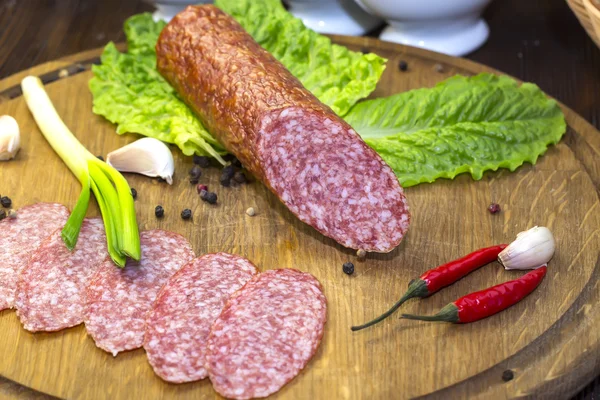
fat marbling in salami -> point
(19, 238)
(118, 299)
(186, 307)
(50, 288)
(315, 163)
(266, 334)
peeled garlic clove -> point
(10, 137)
(147, 156)
(531, 249)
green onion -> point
(110, 188)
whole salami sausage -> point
(20, 237)
(266, 334)
(186, 307)
(316, 164)
(117, 300)
(50, 288)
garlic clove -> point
(147, 156)
(530, 250)
(10, 137)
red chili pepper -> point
(482, 304)
(435, 279)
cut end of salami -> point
(307, 155)
(188, 304)
(20, 237)
(266, 334)
(51, 287)
(328, 177)
(118, 299)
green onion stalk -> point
(110, 188)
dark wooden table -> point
(538, 41)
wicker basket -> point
(588, 13)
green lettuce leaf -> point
(337, 76)
(464, 124)
(128, 90)
(461, 125)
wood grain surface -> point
(550, 341)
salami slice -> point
(266, 334)
(20, 237)
(310, 158)
(50, 288)
(118, 300)
(186, 307)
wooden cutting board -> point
(551, 340)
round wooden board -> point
(551, 340)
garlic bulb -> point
(147, 156)
(10, 137)
(530, 250)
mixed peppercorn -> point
(348, 268)
(201, 187)
(5, 201)
(202, 161)
(508, 375)
(209, 197)
(231, 175)
(195, 174)
(227, 175)
(186, 214)
(494, 208)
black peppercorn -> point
(195, 172)
(6, 201)
(100, 158)
(403, 66)
(133, 193)
(186, 214)
(365, 50)
(224, 181)
(226, 175)
(209, 197)
(202, 161)
(348, 268)
(2, 214)
(228, 171)
(159, 211)
(239, 177)
(236, 163)
(508, 375)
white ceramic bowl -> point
(341, 17)
(167, 9)
(453, 27)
